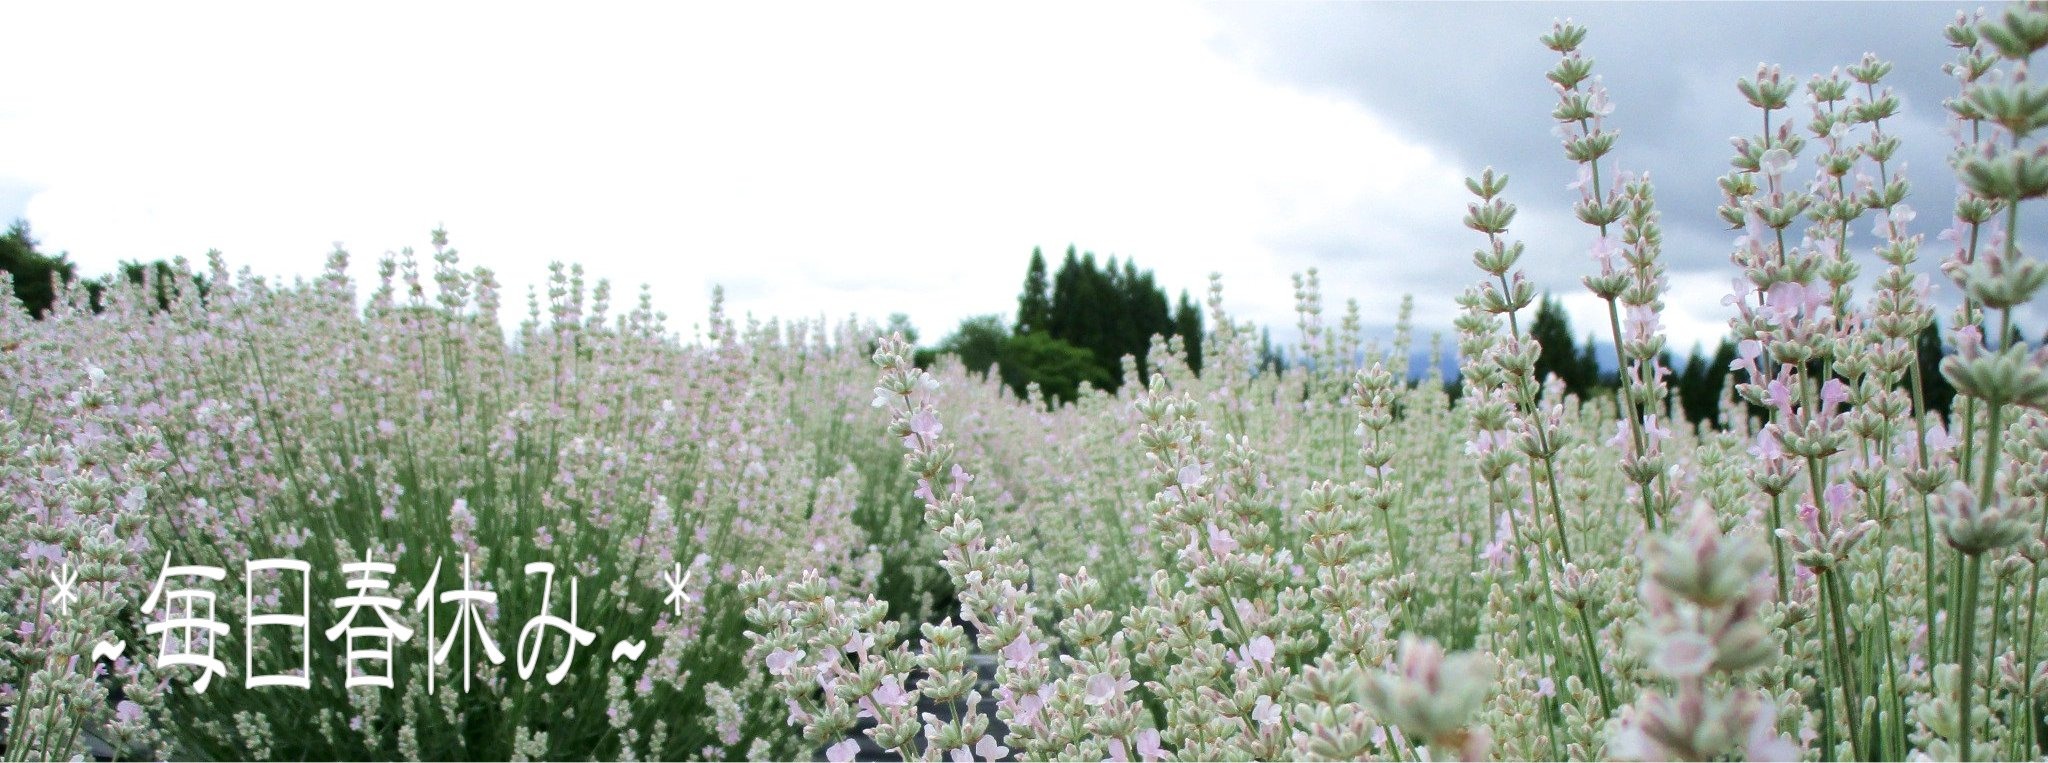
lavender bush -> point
(281, 422)
(1335, 561)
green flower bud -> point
(2001, 286)
(1974, 529)
(2009, 376)
(2009, 176)
(2018, 33)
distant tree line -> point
(1076, 325)
(1697, 385)
(35, 274)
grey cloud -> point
(1468, 79)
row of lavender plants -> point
(310, 423)
(1332, 561)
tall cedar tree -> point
(1700, 384)
(1110, 310)
(1938, 394)
(1034, 306)
(1187, 322)
(1589, 362)
(1552, 328)
(1076, 327)
(1271, 360)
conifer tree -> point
(1589, 364)
(1110, 310)
(1938, 394)
(1034, 306)
(1552, 328)
(1694, 391)
(1187, 322)
(32, 269)
(1059, 320)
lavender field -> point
(247, 517)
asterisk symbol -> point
(676, 581)
(64, 580)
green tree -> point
(1061, 320)
(1058, 367)
(899, 323)
(1935, 390)
(978, 342)
(1271, 359)
(1700, 384)
(1034, 306)
(1111, 310)
(1552, 329)
(1589, 365)
(164, 282)
(1187, 322)
(32, 270)
(1089, 311)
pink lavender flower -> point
(1103, 687)
(1148, 745)
(1028, 706)
(1938, 439)
(1584, 179)
(1785, 300)
(1834, 393)
(857, 642)
(1776, 162)
(988, 749)
(1654, 432)
(1898, 216)
(1488, 441)
(1780, 396)
(1496, 553)
(890, 692)
(1260, 649)
(1020, 651)
(1767, 448)
(780, 660)
(48, 552)
(1643, 323)
(1265, 712)
(1220, 542)
(127, 712)
(1604, 250)
(924, 424)
(843, 751)
(1747, 352)
(1838, 497)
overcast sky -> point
(906, 158)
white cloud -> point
(815, 158)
